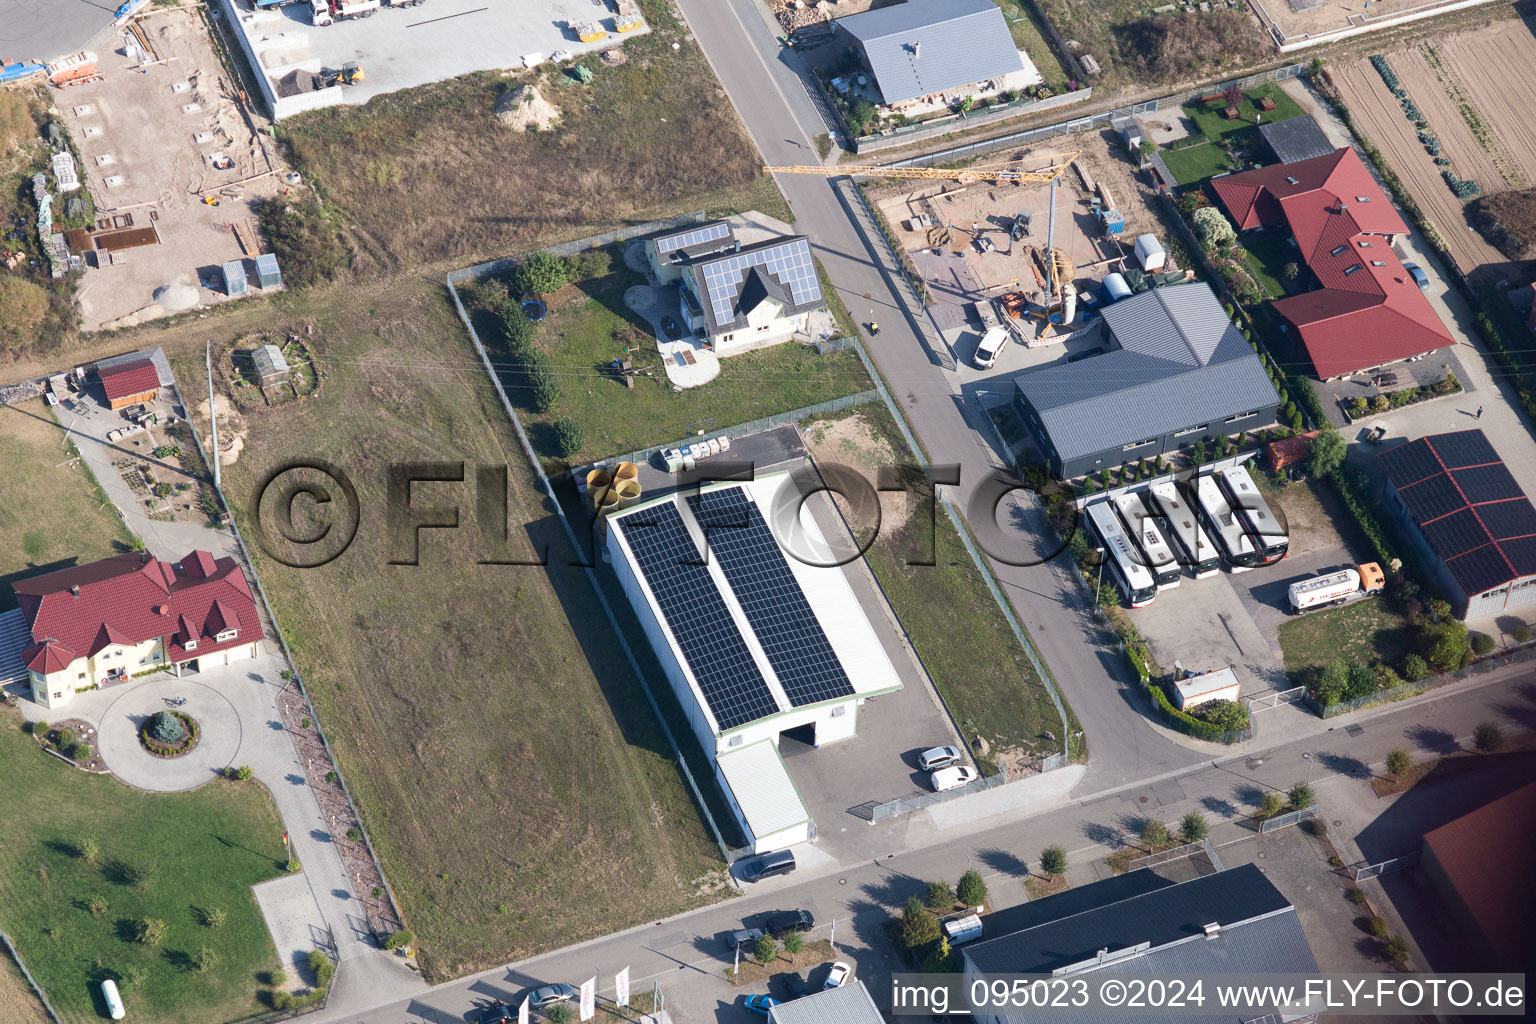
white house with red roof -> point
(131, 614)
(1366, 311)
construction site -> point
(1033, 241)
(171, 162)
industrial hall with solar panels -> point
(754, 641)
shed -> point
(268, 365)
(267, 274)
(129, 383)
(1288, 451)
(234, 278)
(759, 788)
(1193, 691)
(1149, 253)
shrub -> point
(1318, 827)
(205, 959)
(560, 1013)
(541, 378)
(1399, 760)
(1154, 834)
(213, 917)
(150, 931)
(1520, 634)
(333, 778)
(765, 949)
(355, 834)
(399, 940)
(1271, 804)
(87, 849)
(1396, 950)
(1488, 736)
(81, 752)
(166, 728)
(322, 967)
(1482, 644)
(1444, 644)
(378, 894)
(39, 728)
(304, 238)
(1053, 860)
(918, 927)
(242, 773)
(1378, 927)
(1415, 668)
(568, 437)
(1224, 714)
(97, 906)
(304, 723)
(794, 942)
(133, 874)
(1335, 861)
(292, 865)
(1212, 228)
(972, 891)
(65, 740)
(1325, 452)
(940, 896)
(1355, 895)
(540, 274)
(1300, 796)
(1193, 827)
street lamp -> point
(1100, 552)
(1308, 758)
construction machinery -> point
(348, 74)
(1010, 173)
(327, 12)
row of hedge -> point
(1136, 652)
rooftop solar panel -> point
(1463, 448)
(775, 606)
(716, 653)
(1456, 533)
(789, 261)
(1487, 483)
(1480, 570)
(683, 239)
(1508, 519)
(1408, 463)
(1432, 498)
(1521, 552)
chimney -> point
(1212, 930)
(917, 49)
(75, 590)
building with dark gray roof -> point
(752, 296)
(1178, 373)
(1232, 922)
(849, 1004)
(923, 47)
(1295, 139)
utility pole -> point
(213, 416)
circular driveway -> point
(219, 736)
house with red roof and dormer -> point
(131, 614)
(1367, 311)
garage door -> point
(242, 653)
(213, 660)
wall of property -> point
(745, 339)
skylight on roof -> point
(1367, 245)
(1337, 249)
(1291, 180)
(1362, 199)
(1351, 269)
(1378, 263)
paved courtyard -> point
(118, 725)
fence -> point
(1360, 872)
(491, 267)
(1295, 695)
(1344, 707)
(1291, 818)
(906, 805)
(891, 138)
(41, 995)
(1177, 853)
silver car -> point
(938, 757)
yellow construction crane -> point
(1012, 173)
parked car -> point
(934, 758)
(496, 1013)
(989, 346)
(837, 975)
(742, 937)
(790, 983)
(1419, 277)
(759, 1004)
(786, 921)
(780, 862)
(952, 777)
(549, 995)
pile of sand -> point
(524, 109)
(176, 297)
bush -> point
(167, 728)
(1053, 860)
(65, 740)
(1193, 827)
(765, 949)
(1224, 714)
(81, 752)
(1300, 796)
(1355, 895)
(1415, 668)
(292, 865)
(399, 940)
(1520, 634)
(941, 897)
(242, 773)
(542, 380)
(568, 437)
(540, 274)
(322, 967)
(150, 931)
(1154, 834)
(1335, 861)
(1325, 452)
(205, 959)
(97, 906)
(1399, 760)
(39, 728)
(918, 926)
(794, 942)
(560, 1013)
(1212, 228)
(88, 849)
(213, 917)
(1271, 804)
(1378, 927)
(1488, 736)
(1396, 950)
(304, 238)
(972, 891)
(333, 778)
(1444, 644)
(1482, 644)
(355, 834)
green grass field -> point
(589, 326)
(1364, 631)
(1195, 164)
(53, 514)
(203, 850)
(1024, 26)
(1268, 253)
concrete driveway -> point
(219, 733)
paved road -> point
(687, 957)
(771, 102)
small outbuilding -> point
(267, 273)
(1196, 690)
(1149, 254)
(235, 282)
(269, 366)
(129, 383)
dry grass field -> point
(511, 775)
(1137, 48)
(18, 1003)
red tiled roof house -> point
(1366, 311)
(130, 614)
(130, 383)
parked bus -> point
(1120, 554)
(1264, 530)
(1196, 550)
(1218, 517)
(1158, 556)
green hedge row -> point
(1188, 724)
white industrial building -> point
(754, 641)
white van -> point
(989, 346)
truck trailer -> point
(1337, 587)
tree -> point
(1482, 644)
(1415, 668)
(1053, 860)
(518, 329)
(972, 891)
(1224, 714)
(918, 926)
(150, 931)
(23, 308)
(1520, 634)
(938, 962)
(765, 948)
(1271, 803)
(966, 103)
(1300, 796)
(540, 274)
(1233, 95)
(1193, 827)
(794, 942)
(1154, 834)
(1488, 736)
(1198, 454)
(1396, 950)
(166, 728)
(546, 388)
(1399, 760)
(941, 897)
(1148, 148)
(1361, 679)
(1291, 271)
(1325, 453)
(1332, 683)
(568, 438)
(1213, 228)
(1444, 644)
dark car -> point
(496, 1013)
(743, 938)
(791, 984)
(786, 921)
(780, 862)
(549, 995)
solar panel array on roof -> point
(1409, 463)
(1508, 519)
(775, 606)
(1433, 498)
(1521, 552)
(789, 261)
(683, 239)
(696, 614)
(1456, 534)
(1463, 448)
(1487, 483)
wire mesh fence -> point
(1291, 818)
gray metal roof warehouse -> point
(923, 47)
(1180, 372)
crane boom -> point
(1009, 173)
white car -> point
(989, 346)
(837, 976)
(953, 777)
(934, 758)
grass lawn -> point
(1268, 253)
(1365, 631)
(985, 678)
(1209, 118)
(429, 174)
(1028, 35)
(1196, 163)
(514, 781)
(589, 326)
(202, 849)
(52, 515)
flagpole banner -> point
(621, 987)
(589, 998)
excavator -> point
(348, 74)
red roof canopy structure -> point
(1367, 310)
(131, 598)
(129, 379)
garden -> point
(1221, 143)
